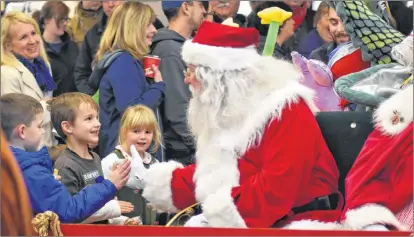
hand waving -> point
(120, 173)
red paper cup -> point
(148, 62)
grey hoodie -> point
(178, 141)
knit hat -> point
(222, 47)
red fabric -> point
(291, 167)
(350, 63)
(343, 103)
(113, 230)
(214, 34)
(383, 172)
(299, 14)
(183, 187)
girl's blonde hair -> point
(140, 117)
(7, 57)
(126, 30)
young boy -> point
(75, 118)
(21, 121)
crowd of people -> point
(101, 138)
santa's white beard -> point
(226, 98)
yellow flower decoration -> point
(274, 14)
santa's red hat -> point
(222, 47)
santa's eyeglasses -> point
(188, 72)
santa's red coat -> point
(380, 183)
(290, 166)
(379, 187)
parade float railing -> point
(110, 230)
(47, 224)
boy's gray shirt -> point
(78, 173)
(167, 44)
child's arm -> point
(109, 211)
(47, 194)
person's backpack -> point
(100, 69)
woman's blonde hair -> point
(7, 57)
(140, 117)
(126, 30)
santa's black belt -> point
(318, 204)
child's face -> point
(141, 138)
(32, 134)
(86, 126)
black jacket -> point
(239, 19)
(90, 46)
(177, 138)
(63, 65)
(322, 53)
(403, 16)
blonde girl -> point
(139, 128)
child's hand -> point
(126, 207)
(58, 177)
(120, 173)
(133, 221)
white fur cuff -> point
(158, 186)
(396, 113)
(313, 225)
(220, 210)
(370, 214)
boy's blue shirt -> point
(48, 194)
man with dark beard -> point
(338, 33)
(261, 160)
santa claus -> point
(379, 186)
(261, 158)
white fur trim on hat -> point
(219, 58)
(396, 113)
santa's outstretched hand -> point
(197, 221)
(138, 170)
